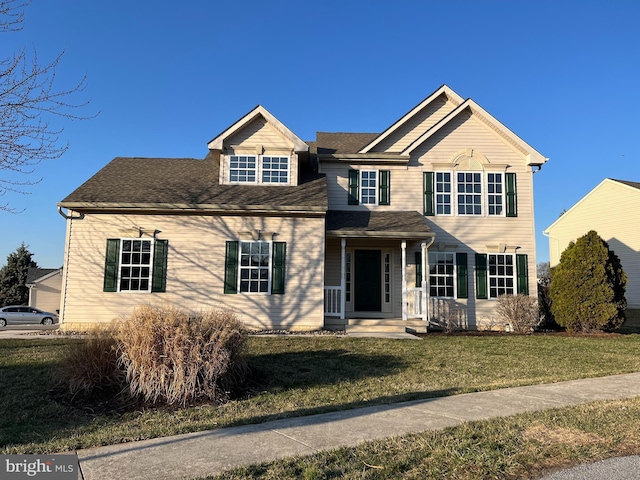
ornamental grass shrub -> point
(159, 354)
(90, 367)
(519, 311)
(174, 356)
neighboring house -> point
(430, 219)
(612, 209)
(44, 285)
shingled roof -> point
(185, 182)
(340, 142)
(363, 223)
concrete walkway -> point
(211, 452)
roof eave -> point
(190, 208)
(378, 234)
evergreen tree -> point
(13, 277)
(588, 286)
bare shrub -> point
(174, 356)
(91, 365)
(519, 311)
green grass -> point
(522, 446)
(299, 376)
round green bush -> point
(588, 286)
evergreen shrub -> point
(588, 286)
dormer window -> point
(266, 169)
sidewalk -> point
(211, 452)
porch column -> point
(425, 276)
(403, 246)
(343, 277)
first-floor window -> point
(442, 274)
(501, 272)
(254, 266)
(135, 265)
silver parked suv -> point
(16, 314)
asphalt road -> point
(621, 468)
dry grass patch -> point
(556, 435)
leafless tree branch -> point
(29, 99)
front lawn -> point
(296, 376)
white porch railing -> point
(414, 302)
(332, 301)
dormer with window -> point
(259, 150)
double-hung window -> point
(442, 274)
(254, 267)
(369, 187)
(135, 265)
(243, 168)
(259, 169)
(447, 274)
(501, 274)
(470, 193)
(255, 274)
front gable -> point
(259, 149)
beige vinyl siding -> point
(45, 295)
(469, 233)
(611, 209)
(259, 138)
(195, 268)
(416, 126)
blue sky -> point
(169, 76)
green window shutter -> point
(111, 265)
(462, 275)
(384, 181)
(160, 252)
(279, 260)
(354, 190)
(418, 269)
(231, 267)
(512, 195)
(429, 203)
(481, 276)
(522, 269)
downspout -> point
(65, 270)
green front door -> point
(367, 281)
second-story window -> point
(259, 169)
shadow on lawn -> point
(281, 371)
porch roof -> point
(359, 223)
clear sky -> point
(169, 76)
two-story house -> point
(430, 217)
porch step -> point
(359, 325)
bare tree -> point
(29, 99)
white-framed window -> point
(501, 272)
(268, 169)
(275, 169)
(369, 187)
(243, 168)
(136, 257)
(476, 193)
(255, 267)
(495, 195)
(469, 193)
(442, 274)
(443, 193)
